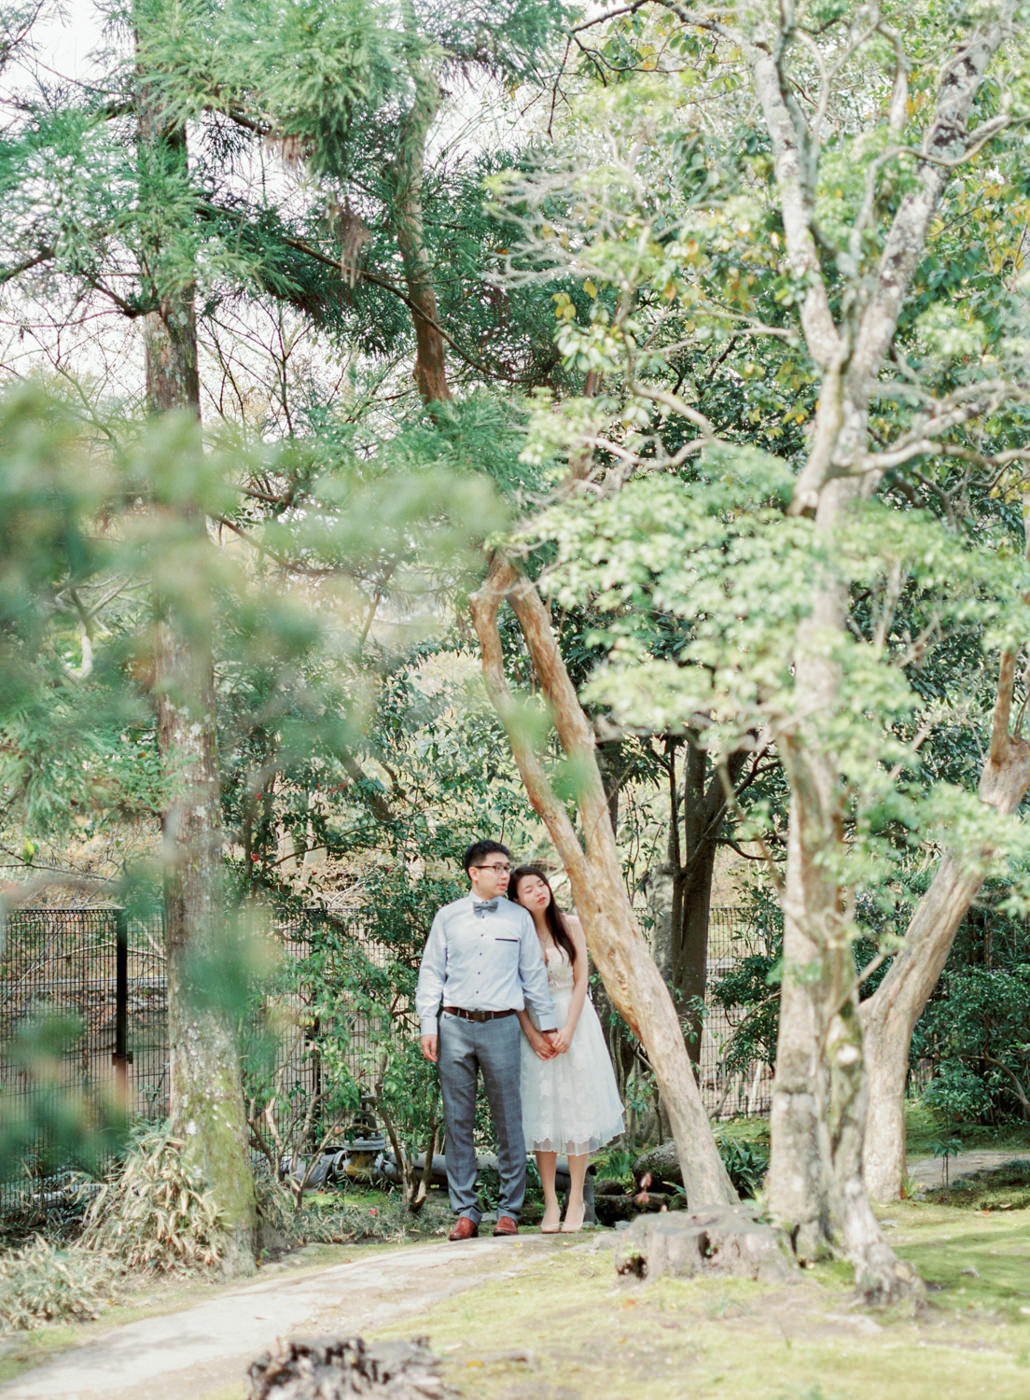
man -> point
(481, 964)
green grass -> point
(972, 1261)
(924, 1130)
(747, 1130)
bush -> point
(151, 1214)
(977, 1030)
(44, 1283)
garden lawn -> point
(570, 1327)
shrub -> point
(44, 1283)
(978, 1031)
(151, 1214)
(747, 1164)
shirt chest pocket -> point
(506, 952)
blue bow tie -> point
(482, 907)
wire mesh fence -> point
(729, 1091)
(106, 974)
(97, 980)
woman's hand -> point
(542, 1048)
(562, 1040)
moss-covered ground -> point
(569, 1327)
(556, 1322)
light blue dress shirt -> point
(482, 962)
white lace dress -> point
(570, 1104)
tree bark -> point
(682, 886)
(620, 952)
(699, 811)
(207, 1109)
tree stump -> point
(336, 1368)
(722, 1240)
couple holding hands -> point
(503, 990)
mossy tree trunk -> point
(816, 1181)
(206, 1095)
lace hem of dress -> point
(575, 1149)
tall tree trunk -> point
(819, 1093)
(630, 975)
(206, 1095)
(890, 1014)
(409, 170)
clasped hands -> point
(547, 1044)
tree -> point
(206, 1107)
(163, 228)
(804, 253)
(631, 978)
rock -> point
(663, 1164)
(337, 1368)
(608, 1186)
(720, 1240)
(610, 1209)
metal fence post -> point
(122, 1056)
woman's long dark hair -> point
(552, 914)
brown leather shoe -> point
(465, 1229)
(505, 1226)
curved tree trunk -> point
(890, 1014)
(618, 947)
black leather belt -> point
(477, 1015)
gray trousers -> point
(495, 1047)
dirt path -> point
(206, 1349)
(929, 1171)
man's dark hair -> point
(477, 853)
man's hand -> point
(429, 1046)
(541, 1047)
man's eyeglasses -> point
(502, 868)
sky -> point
(66, 34)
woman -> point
(570, 1102)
